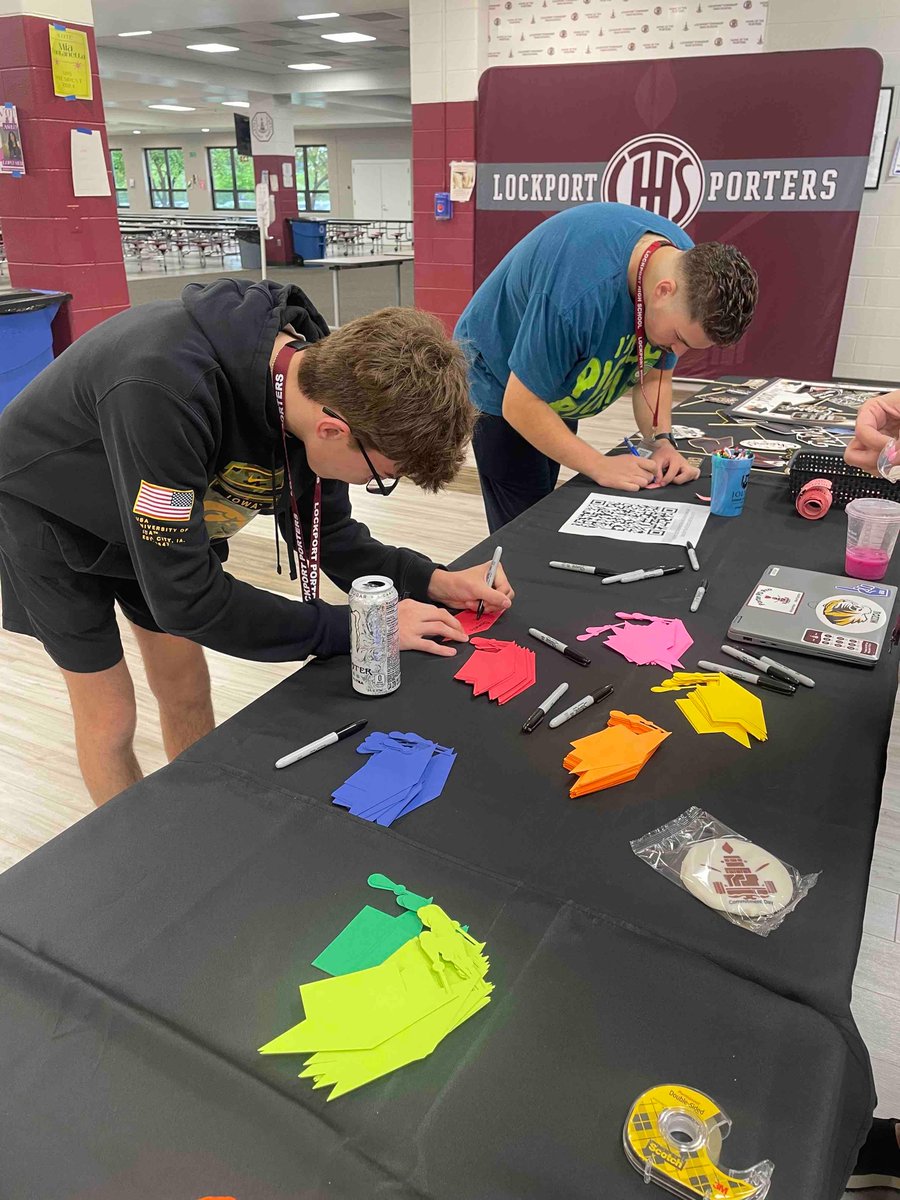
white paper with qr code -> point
(654, 521)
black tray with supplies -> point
(848, 483)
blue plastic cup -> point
(730, 477)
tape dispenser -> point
(674, 1136)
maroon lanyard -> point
(640, 336)
(309, 567)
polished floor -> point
(41, 793)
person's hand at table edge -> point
(465, 589)
(421, 623)
(624, 472)
(672, 466)
(877, 421)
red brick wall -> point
(54, 239)
(445, 250)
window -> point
(165, 174)
(233, 184)
(313, 194)
(118, 166)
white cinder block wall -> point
(869, 346)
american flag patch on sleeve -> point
(162, 503)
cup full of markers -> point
(730, 476)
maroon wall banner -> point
(766, 151)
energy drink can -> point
(374, 636)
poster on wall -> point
(533, 31)
(71, 63)
(12, 160)
(704, 142)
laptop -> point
(829, 616)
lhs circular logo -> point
(262, 126)
(657, 172)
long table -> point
(148, 951)
(356, 263)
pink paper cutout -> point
(659, 640)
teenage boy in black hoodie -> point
(127, 464)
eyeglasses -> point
(375, 486)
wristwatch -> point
(665, 437)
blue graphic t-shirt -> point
(558, 314)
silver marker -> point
(490, 577)
(632, 576)
(742, 656)
(699, 594)
(766, 682)
(692, 556)
(541, 711)
(328, 740)
(581, 567)
(556, 644)
(593, 698)
(788, 672)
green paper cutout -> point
(370, 938)
(365, 1024)
(405, 898)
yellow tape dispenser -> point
(674, 1136)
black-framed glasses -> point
(375, 486)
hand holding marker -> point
(490, 577)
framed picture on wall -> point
(879, 138)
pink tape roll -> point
(815, 499)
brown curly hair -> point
(402, 385)
(722, 290)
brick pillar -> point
(53, 238)
(272, 137)
(448, 51)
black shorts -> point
(47, 592)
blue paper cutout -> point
(404, 771)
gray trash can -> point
(248, 244)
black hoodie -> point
(173, 403)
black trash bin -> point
(248, 244)
(26, 339)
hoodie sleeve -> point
(349, 550)
(158, 445)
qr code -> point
(647, 520)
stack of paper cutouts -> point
(616, 754)
(501, 669)
(718, 704)
(404, 772)
(362, 1024)
(645, 640)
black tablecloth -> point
(147, 952)
(810, 794)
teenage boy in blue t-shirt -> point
(551, 337)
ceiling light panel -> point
(347, 37)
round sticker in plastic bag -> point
(736, 877)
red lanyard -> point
(640, 336)
(309, 567)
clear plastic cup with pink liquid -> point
(872, 528)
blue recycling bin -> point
(308, 237)
(26, 340)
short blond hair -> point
(402, 385)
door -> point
(382, 189)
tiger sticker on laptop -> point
(846, 612)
